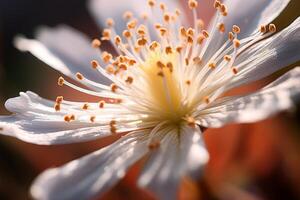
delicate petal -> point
(175, 158)
(103, 9)
(93, 174)
(251, 14)
(269, 56)
(37, 122)
(276, 97)
(64, 49)
(248, 16)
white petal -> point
(270, 56)
(103, 9)
(93, 174)
(278, 96)
(36, 121)
(248, 16)
(176, 157)
(251, 14)
(65, 49)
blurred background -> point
(258, 161)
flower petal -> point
(269, 56)
(36, 121)
(176, 157)
(103, 9)
(65, 49)
(248, 16)
(93, 174)
(276, 97)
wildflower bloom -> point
(166, 84)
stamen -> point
(85, 106)
(113, 87)
(92, 119)
(193, 4)
(96, 43)
(101, 104)
(236, 29)
(60, 81)
(154, 145)
(110, 22)
(236, 43)
(79, 76)
(94, 64)
(221, 27)
(57, 106)
(127, 15)
(59, 99)
(263, 29)
(272, 28)
(227, 58)
(234, 70)
(106, 34)
(129, 80)
(212, 65)
(151, 3)
(112, 125)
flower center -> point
(163, 85)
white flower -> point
(161, 91)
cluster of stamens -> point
(172, 66)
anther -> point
(94, 64)
(236, 43)
(200, 24)
(187, 61)
(193, 4)
(131, 62)
(79, 76)
(200, 39)
(160, 73)
(151, 3)
(205, 33)
(206, 100)
(188, 82)
(153, 45)
(162, 6)
(167, 17)
(110, 69)
(72, 117)
(227, 58)
(190, 40)
(179, 49)
(118, 40)
(85, 106)
(106, 34)
(141, 30)
(191, 32)
(177, 12)
(126, 34)
(67, 118)
(236, 29)
(197, 60)
(272, 28)
(101, 104)
(234, 70)
(129, 80)
(110, 22)
(170, 66)
(217, 4)
(182, 31)
(123, 66)
(92, 119)
(106, 57)
(154, 145)
(212, 65)
(127, 15)
(163, 31)
(57, 106)
(168, 50)
(142, 41)
(160, 64)
(59, 99)
(112, 125)
(96, 43)
(263, 29)
(221, 27)
(60, 81)
(113, 87)
(132, 24)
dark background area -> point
(258, 161)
